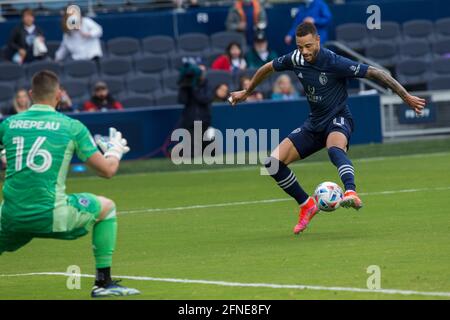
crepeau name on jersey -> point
(32, 124)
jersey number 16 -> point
(35, 151)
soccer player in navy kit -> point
(324, 76)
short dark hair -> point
(27, 11)
(43, 84)
(306, 28)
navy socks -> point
(344, 166)
(286, 179)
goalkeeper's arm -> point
(113, 147)
(105, 167)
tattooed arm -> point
(415, 103)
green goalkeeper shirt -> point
(39, 144)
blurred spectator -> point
(314, 11)
(65, 104)
(20, 103)
(196, 96)
(283, 89)
(221, 93)
(246, 16)
(82, 43)
(26, 42)
(232, 60)
(260, 53)
(102, 100)
(244, 83)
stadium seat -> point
(383, 53)
(11, 72)
(6, 93)
(442, 27)
(441, 47)
(3, 52)
(76, 88)
(418, 30)
(170, 81)
(217, 77)
(211, 55)
(166, 98)
(220, 40)
(354, 35)
(104, 48)
(52, 47)
(242, 73)
(412, 72)
(246, 72)
(193, 43)
(84, 69)
(389, 32)
(176, 60)
(143, 84)
(159, 45)
(439, 83)
(266, 89)
(115, 85)
(123, 46)
(441, 67)
(116, 66)
(37, 66)
(151, 64)
(415, 49)
(135, 101)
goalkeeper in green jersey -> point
(39, 145)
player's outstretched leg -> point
(347, 174)
(104, 242)
(277, 167)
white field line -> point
(240, 203)
(248, 167)
(251, 285)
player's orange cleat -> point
(307, 212)
(351, 200)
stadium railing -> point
(399, 122)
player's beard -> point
(313, 56)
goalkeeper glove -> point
(114, 145)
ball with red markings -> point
(328, 196)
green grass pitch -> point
(406, 233)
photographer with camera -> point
(196, 96)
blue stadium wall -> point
(148, 129)
(161, 22)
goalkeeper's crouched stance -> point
(39, 145)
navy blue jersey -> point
(325, 83)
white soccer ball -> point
(328, 196)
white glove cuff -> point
(114, 153)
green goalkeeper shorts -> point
(83, 209)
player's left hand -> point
(416, 103)
(114, 145)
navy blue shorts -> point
(308, 142)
